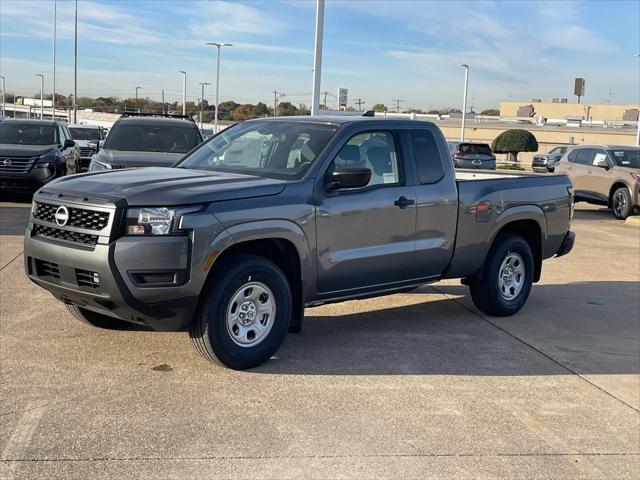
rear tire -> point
(621, 203)
(503, 286)
(96, 319)
(244, 313)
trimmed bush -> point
(515, 141)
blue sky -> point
(380, 50)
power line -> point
(398, 102)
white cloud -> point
(220, 18)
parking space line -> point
(541, 352)
(21, 438)
(11, 261)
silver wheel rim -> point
(511, 277)
(619, 203)
(251, 314)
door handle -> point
(404, 202)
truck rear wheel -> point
(96, 319)
(503, 286)
(244, 313)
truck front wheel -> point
(244, 313)
(503, 286)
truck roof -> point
(32, 121)
(340, 119)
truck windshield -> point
(85, 133)
(268, 148)
(27, 134)
(627, 158)
(152, 138)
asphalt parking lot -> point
(407, 386)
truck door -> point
(365, 236)
(437, 203)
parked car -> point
(34, 152)
(472, 155)
(88, 138)
(146, 140)
(546, 162)
(307, 211)
(604, 175)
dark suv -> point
(34, 152)
(472, 155)
(146, 140)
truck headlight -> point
(150, 221)
(96, 166)
(156, 220)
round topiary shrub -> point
(515, 141)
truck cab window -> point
(426, 156)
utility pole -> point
(464, 99)
(184, 92)
(75, 67)
(53, 98)
(4, 113)
(202, 84)
(317, 58)
(325, 93)
(137, 88)
(163, 101)
(398, 102)
(276, 96)
(360, 102)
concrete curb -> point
(633, 220)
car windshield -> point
(558, 150)
(268, 148)
(475, 148)
(85, 133)
(629, 158)
(27, 134)
(131, 137)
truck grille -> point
(87, 278)
(86, 151)
(78, 217)
(47, 269)
(65, 235)
(16, 164)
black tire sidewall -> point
(510, 244)
(214, 313)
(628, 208)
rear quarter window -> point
(426, 156)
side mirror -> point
(94, 145)
(602, 164)
(69, 143)
(349, 177)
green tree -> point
(514, 141)
(494, 112)
(286, 109)
(260, 110)
(225, 110)
(379, 107)
(434, 112)
(243, 112)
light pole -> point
(219, 45)
(184, 92)
(53, 97)
(137, 88)
(317, 58)
(638, 120)
(4, 112)
(464, 99)
(202, 84)
(75, 67)
(41, 75)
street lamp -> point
(464, 99)
(184, 92)
(202, 84)
(137, 88)
(4, 112)
(41, 75)
(638, 129)
(219, 45)
(75, 67)
(317, 59)
(53, 97)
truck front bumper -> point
(567, 243)
(150, 287)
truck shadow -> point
(590, 328)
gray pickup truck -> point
(275, 215)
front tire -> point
(621, 203)
(503, 286)
(244, 313)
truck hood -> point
(124, 159)
(12, 150)
(158, 186)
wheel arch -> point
(616, 185)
